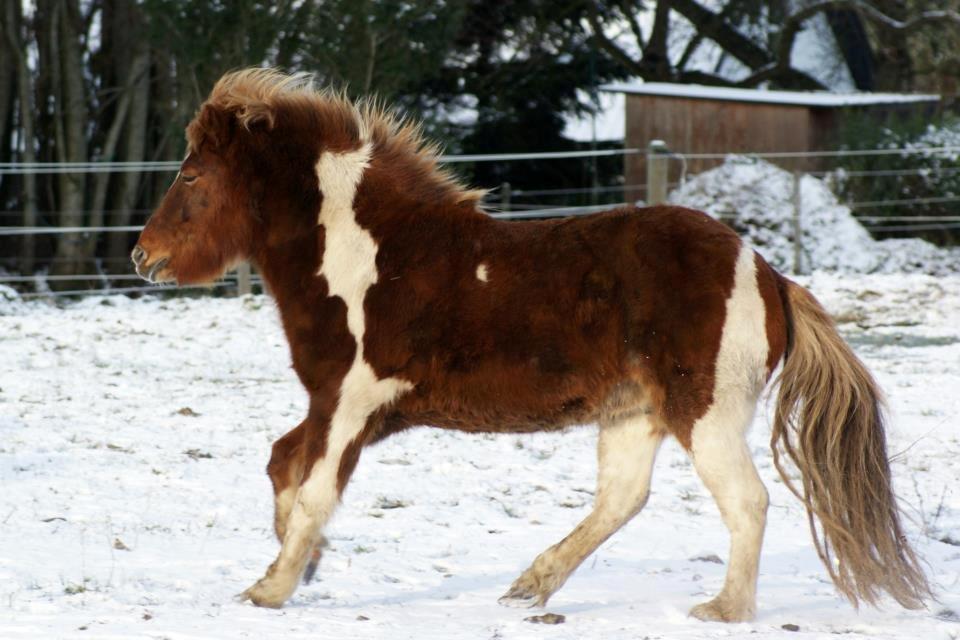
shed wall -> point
(710, 126)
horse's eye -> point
(188, 179)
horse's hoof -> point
(262, 595)
(312, 565)
(717, 610)
(310, 571)
(519, 602)
(314, 560)
(521, 597)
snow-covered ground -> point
(134, 435)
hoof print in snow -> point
(187, 411)
(547, 618)
(118, 544)
(711, 557)
(362, 618)
(196, 454)
(790, 627)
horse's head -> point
(208, 219)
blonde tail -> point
(829, 422)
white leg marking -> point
(350, 268)
(719, 447)
(283, 504)
(482, 272)
(626, 451)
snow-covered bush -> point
(932, 177)
(756, 199)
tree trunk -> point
(101, 181)
(854, 44)
(71, 117)
(8, 72)
(12, 19)
(134, 149)
(894, 64)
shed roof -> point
(823, 99)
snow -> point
(610, 120)
(817, 53)
(134, 435)
(756, 198)
(792, 98)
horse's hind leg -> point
(286, 469)
(722, 459)
(625, 452)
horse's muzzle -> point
(144, 270)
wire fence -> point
(503, 203)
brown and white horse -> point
(405, 304)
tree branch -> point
(937, 17)
(690, 49)
(712, 25)
(632, 21)
(655, 54)
(794, 24)
(609, 45)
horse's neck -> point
(289, 271)
(338, 257)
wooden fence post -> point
(243, 278)
(657, 166)
(797, 227)
(505, 196)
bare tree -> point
(767, 57)
(12, 25)
(65, 58)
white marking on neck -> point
(350, 268)
(349, 257)
(482, 272)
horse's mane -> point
(258, 95)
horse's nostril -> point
(157, 268)
(138, 255)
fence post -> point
(797, 228)
(243, 278)
(505, 196)
(657, 166)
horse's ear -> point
(253, 114)
(212, 127)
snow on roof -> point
(798, 98)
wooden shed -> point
(696, 119)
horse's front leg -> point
(332, 449)
(286, 469)
(330, 457)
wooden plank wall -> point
(711, 126)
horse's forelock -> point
(254, 95)
(251, 97)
